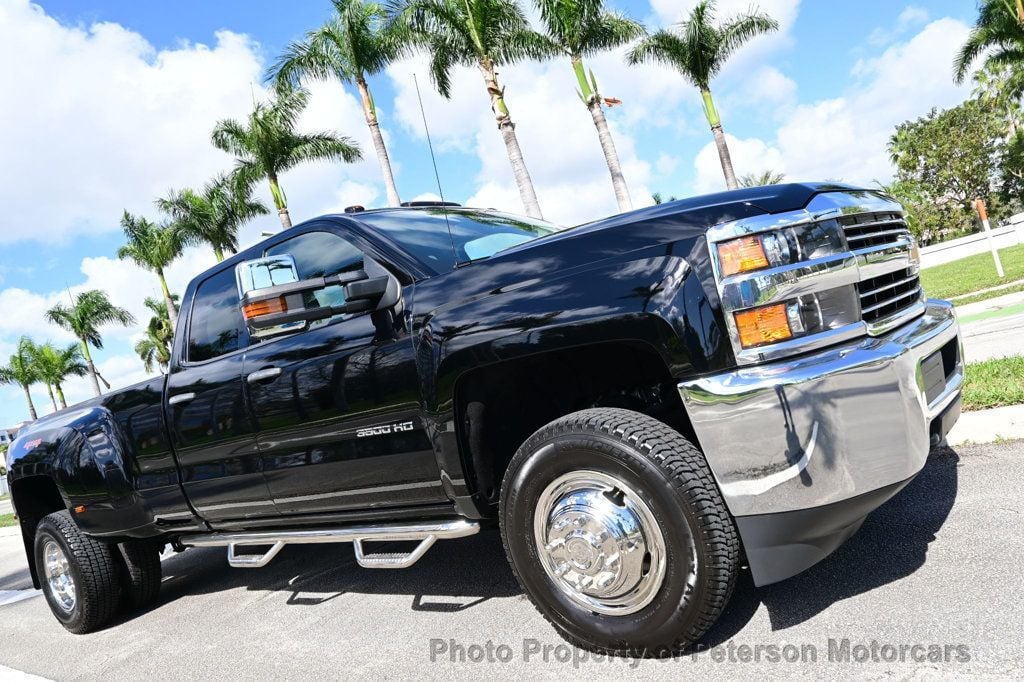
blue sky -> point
(115, 100)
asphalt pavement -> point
(935, 573)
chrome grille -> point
(893, 295)
(872, 229)
(889, 294)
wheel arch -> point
(35, 497)
(498, 406)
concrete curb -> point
(987, 426)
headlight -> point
(779, 247)
(802, 316)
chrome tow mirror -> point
(275, 301)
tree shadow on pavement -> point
(891, 545)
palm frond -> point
(997, 28)
(740, 30)
(324, 146)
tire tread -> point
(691, 477)
(99, 591)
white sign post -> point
(979, 204)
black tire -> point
(142, 573)
(93, 568)
(670, 475)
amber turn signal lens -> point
(268, 307)
(763, 325)
(741, 255)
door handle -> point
(180, 398)
(263, 374)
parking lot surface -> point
(933, 576)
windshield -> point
(476, 234)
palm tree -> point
(20, 370)
(153, 247)
(355, 43)
(998, 33)
(54, 364)
(1001, 86)
(155, 346)
(485, 34)
(266, 145)
(581, 28)
(698, 49)
(89, 311)
(214, 214)
(765, 177)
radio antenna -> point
(437, 176)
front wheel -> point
(616, 530)
(79, 575)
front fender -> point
(657, 297)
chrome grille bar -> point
(889, 301)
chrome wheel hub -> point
(58, 576)
(599, 542)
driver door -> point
(336, 405)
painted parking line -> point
(14, 596)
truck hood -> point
(673, 220)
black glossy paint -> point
(289, 450)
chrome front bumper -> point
(830, 426)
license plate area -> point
(938, 368)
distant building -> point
(9, 434)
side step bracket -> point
(426, 532)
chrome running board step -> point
(426, 532)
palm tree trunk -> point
(60, 396)
(508, 134)
(370, 112)
(279, 201)
(723, 148)
(218, 253)
(31, 405)
(172, 311)
(592, 100)
(611, 156)
(91, 367)
(53, 401)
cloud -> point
(104, 121)
(748, 156)
(911, 17)
(844, 138)
(555, 131)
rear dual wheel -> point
(616, 530)
(86, 581)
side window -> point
(216, 326)
(320, 254)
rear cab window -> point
(443, 238)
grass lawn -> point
(7, 520)
(973, 273)
(994, 383)
(989, 294)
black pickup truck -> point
(644, 405)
